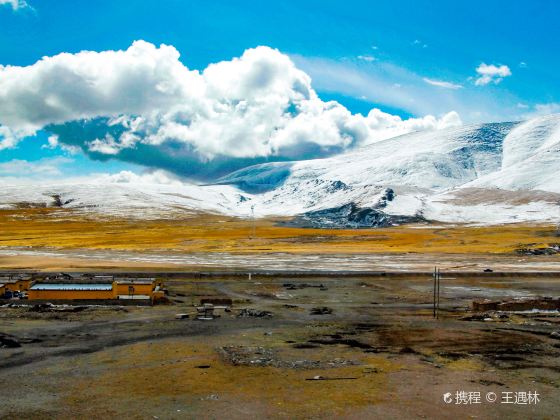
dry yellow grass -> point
(144, 370)
(211, 233)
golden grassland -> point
(167, 375)
(61, 228)
(169, 371)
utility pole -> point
(437, 289)
(253, 227)
(558, 224)
(437, 279)
(438, 282)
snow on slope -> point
(428, 171)
(486, 173)
(133, 199)
(531, 158)
(434, 160)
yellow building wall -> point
(139, 289)
(18, 285)
(69, 294)
(117, 289)
(159, 295)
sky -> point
(419, 64)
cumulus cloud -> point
(442, 84)
(158, 177)
(384, 126)
(489, 73)
(43, 167)
(144, 105)
(15, 4)
(8, 138)
(52, 143)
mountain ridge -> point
(483, 173)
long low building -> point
(74, 291)
(122, 289)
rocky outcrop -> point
(350, 216)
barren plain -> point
(376, 352)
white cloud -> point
(52, 143)
(30, 169)
(544, 109)
(489, 73)
(7, 138)
(522, 65)
(539, 110)
(367, 58)
(15, 4)
(84, 85)
(395, 86)
(386, 126)
(550, 108)
(143, 105)
(158, 177)
(442, 84)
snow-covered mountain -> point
(486, 173)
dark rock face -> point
(58, 201)
(388, 195)
(335, 186)
(350, 216)
(551, 249)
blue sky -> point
(409, 58)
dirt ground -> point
(56, 260)
(375, 352)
